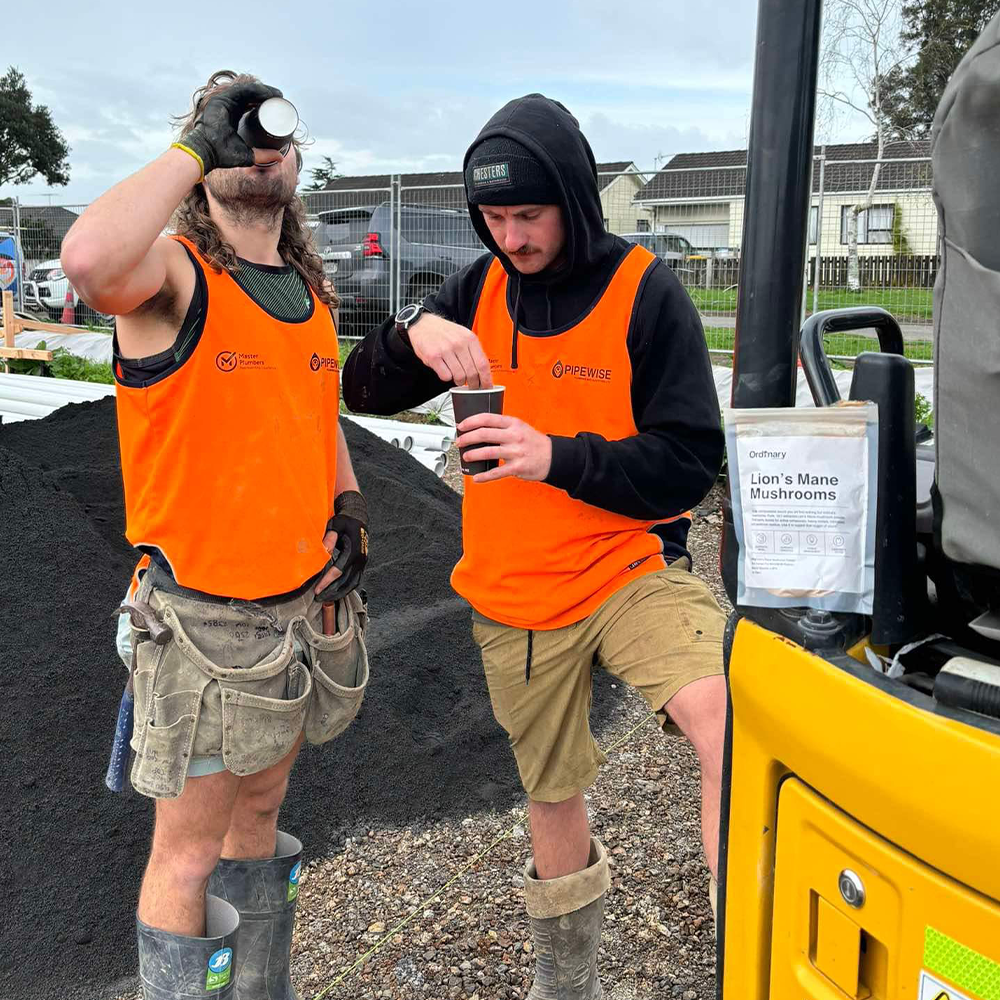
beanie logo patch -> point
(492, 175)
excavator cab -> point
(860, 850)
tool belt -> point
(239, 679)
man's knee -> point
(257, 809)
(189, 859)
(699, 710)
(260, 798)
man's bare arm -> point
(113, 255)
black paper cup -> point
(270, 125)
(466, 403)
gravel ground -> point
(472, 941)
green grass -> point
(722, 338)
(908, 305)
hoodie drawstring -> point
(517, 306)
(517, 309)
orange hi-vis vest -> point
(230, 461)
(534, 557)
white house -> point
(619, 183)
(701, 196)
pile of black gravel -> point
(425, 743)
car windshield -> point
(661, 243)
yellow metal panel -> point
(837, 951)
(902, 900)
(921, 781)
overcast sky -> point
(388, 86)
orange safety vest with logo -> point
(534, 557)
(230, 461)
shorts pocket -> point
(340, 676)
(262, 718)
(696, 608)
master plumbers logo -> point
(492, 175)
(230, 361)
(585, 373)
(330, 364)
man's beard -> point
(252, 199)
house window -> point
(813, 223)
(642, 225)
(874, 224)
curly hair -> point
(192, 220)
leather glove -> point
(213, 139)
(350, 521)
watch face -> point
(407, 313)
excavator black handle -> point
(817, 369)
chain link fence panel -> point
(873, 240)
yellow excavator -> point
(861, 806)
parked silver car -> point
(670, 247)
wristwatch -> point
(406, 317)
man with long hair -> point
(245, 627)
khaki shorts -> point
(658, 634)
(240, 680)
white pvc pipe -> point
(433, 460)
(24, 397)
(434, 438)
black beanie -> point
(501, 171)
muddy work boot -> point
(566, 918)
(175, 967)
(264, 893)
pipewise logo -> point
(293, 880)
(230, 361)
(584, 373)
(330, 364)
(220, 969)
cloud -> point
(406, 87)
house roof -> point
(57, 219)
(604, 170)
(443, 188)
(723, 174)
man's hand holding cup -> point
(485, 439)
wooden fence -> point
(902, 271)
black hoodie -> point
(671, 464)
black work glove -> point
(350, 556)
(213, 137)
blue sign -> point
(9, 266)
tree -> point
(940, 32)
(863, 49)
(322, 175)
(30, 143)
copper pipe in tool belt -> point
(329, 617)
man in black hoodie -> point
(575, 546)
